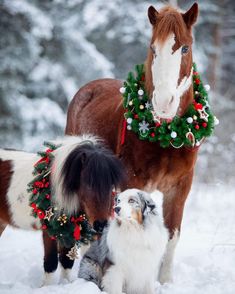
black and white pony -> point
(83, 175)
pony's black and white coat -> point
(83, 174)
(128, 256)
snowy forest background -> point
(49, 48)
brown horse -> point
(97, 108)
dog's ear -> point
(149, 206)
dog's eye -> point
(131, 200)
(118, 200)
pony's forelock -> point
(68, 144)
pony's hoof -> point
(49, 279)
(67, 275)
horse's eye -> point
(152, 47)
(185, 49)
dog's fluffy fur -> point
(128, 255)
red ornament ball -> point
(35, 191)
(204, 125)
(197, 81)
(157, 124)
(197, 127)
(40, 214)
(152, 135)
(44, 227)
(47, 184)
(136, 116)
(48, 196)
(198, 106)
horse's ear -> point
(190, 17)
(152, 14)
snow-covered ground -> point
(204, 261)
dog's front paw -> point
(165, 275)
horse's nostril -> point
(172, 99)
(117, 209)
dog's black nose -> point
(117, 209)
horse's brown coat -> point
(97, 108)
(5, 178)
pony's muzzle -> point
(99, 226)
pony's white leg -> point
(112, 281)
(165, 273)
(49, 279)
(67, 274)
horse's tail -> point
(89, 174)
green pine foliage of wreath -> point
(68, 230)
(138, 111)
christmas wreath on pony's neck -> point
(188, 130)
(69, 231)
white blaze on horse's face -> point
(166, 72)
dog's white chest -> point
(137, 252)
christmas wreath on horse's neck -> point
(188, 130)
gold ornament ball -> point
(141, 107)
(195, 117)
(131, 103)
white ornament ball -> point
(129, 120)
(216, 121)
(189, 120)
(141, 106)
(173, 135)
(195, 117)
(198, 144)
(140, 92)
(207, 88)
(122, 90)
(129, 127)
(131, 103)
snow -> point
(204, 261)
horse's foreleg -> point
(173, 207)
(50, 259)
(66, 263)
